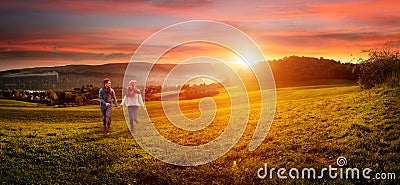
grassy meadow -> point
(313, 126)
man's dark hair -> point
(106, 80)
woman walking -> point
(133, 99)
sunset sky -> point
(49, 33)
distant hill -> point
(71, 76)
(296, 70)
(291, 68)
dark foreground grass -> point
(313, 126)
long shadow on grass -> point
(97, 133)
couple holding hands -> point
(132, 99)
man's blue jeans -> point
(106, 113)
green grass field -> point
(313, 126)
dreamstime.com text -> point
(330, 172)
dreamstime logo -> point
(218, 34)
(341, 161)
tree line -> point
(295, 68)
(73, 97)
(88, 95)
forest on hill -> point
(295, 68)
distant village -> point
(88, 94)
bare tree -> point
(381, 68)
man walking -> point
(107, 97)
